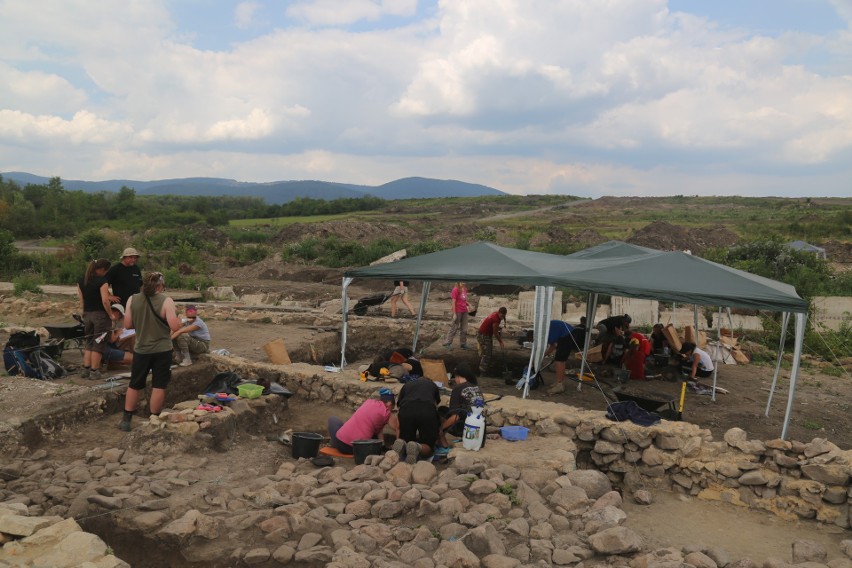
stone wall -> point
(788, 478)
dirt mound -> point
(661, 235)
(556, 233)
(836, 251)
(348, 230)
(273, 268)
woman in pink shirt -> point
(367, 423)
(460, 317)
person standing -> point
(400, 292)
(93, 294)
(460, 317)
(125, 277)
(152, 314)
(193, 338)
(489, 330)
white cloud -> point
(244, 14)
(336, 13)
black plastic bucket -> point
(364, 448)
(305, 444)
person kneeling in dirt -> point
(152, 314)
(464, 395)
(191, 339)
(696, 363)
(418, 419)
(489, 330)
(119, 341)
(367, 423)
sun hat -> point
(130, 251)
(118, 307)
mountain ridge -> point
(275, 192)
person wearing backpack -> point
(93, 293)
(152, 314)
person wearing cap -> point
(191, 339)
(119, 341)
(463, 397)
(489, 330)
(610, 331)
(152, 314)
(125, 277)
(367, 423)
(697, 363)
(93, 294)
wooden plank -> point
(277, 352)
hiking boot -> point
(95, 376)
(84, 374)
(186, 362)
(124, 425)
(399, 447)
(412, 452)
(558, 388)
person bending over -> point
(418, 419)
(697, 363)
(610, 330)
(489, 330)
(367, 423)
(562, 339)
(465, 393)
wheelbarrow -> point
(657, 403)
(360, 309)
(64, 335)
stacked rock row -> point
(384, 513)
(788, 478)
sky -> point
(579, 97)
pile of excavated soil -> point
(661, 235)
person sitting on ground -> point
(418, 419)
(562, 339)
(367, 423)
(696, 362)
(638, 350)
(93, 293)
(489, 330)
(400, 292)
(610, 330)
(191, 339)
(119, 341)
(464, 395)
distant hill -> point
(273, 192)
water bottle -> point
(474, 427)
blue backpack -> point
(16, 362)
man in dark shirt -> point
(418, 418)
(125, 278)
(610, 330)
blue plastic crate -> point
(514, 433)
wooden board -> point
(689, 334)
(672, 337)
(277, 352)
(434, 369)
(593, 356)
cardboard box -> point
(434, 369)
(277, 352)
(672, 337)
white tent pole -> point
(423, 295)
(695, 321)
(718, 348)
(785, 321)
(591, 309)
(794, 373)
(541, 322)
(345, 308)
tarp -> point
(615, 269)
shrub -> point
(26, 282)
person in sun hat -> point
(125, 277)
(367, 423)
(191, 339)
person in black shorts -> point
(418, 419)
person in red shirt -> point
(638, 349)
(489, 330)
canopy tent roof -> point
(613, 268)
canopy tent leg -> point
(695, 321)
(591, 309)
(785, 321)
(541, 320)
(423, 296)
(794, 373)
(718, 348)
(345, 308)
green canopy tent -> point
(612, 268)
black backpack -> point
(44, 365)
